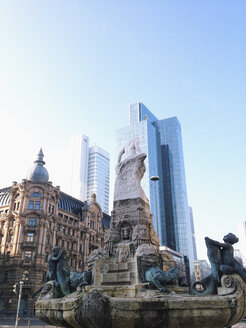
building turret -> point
(38, 172)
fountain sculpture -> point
(125, 287)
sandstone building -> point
(34, 217)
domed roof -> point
(38, 172)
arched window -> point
(35, 194)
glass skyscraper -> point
(89, 171)
(161, 140)
(98, 176)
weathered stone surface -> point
(129, 174)
(100, 308)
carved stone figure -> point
(130, 149)
(159, 278)
(78, 279)
(126, 231)
(130, 172)
(149, 268)
(53, 261)
(222, 261)
(63, 274)
(94, 255)
(211, 282)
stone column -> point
(16, 241)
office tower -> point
(161, 140)
(193, 233)
(89, 171)
(78, 156)
(98, 176)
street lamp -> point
(24, 277)
(156, 178)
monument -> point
(125, 286)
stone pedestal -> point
(131, 227)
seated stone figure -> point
(64, 281)
(229, 264)
(222, 261)
(149, 268)
(159, 277)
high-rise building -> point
(89, 171)
(78, 157)
(161, 140)
(98, 176)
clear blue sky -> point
(70, 67)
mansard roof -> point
(70, 204)
(66, 203)
(4, 196)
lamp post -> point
(156, 178)
(24, 277)
(18, 306)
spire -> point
(40, 157)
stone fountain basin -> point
(94, 308)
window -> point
(47, 239)
(32, 221)
(64, 229)
(14, 206)
(35, 194)
(51, 208)
(31, 205)
(80, 248)
(58, 227)
(30, 237)
(37, 207)
(6, 276)
(13, 223)
(27, 256)
(49, 225)
(60, 215)
(18, 205)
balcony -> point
(28, 243)
(30, 227)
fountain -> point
(124, 286)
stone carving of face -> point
(126, 231)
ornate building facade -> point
(35, 216)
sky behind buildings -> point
(71, 67)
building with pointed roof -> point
(35, 216)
